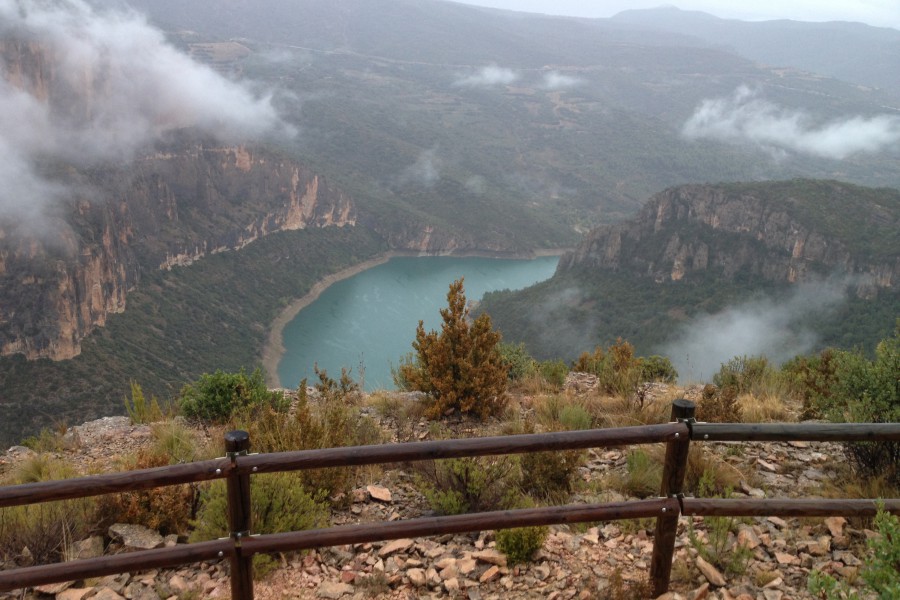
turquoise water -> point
(368, 322)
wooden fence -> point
(237, 466)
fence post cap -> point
(683, 409)
(237, 440)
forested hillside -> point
(808, 263)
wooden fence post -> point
(237, 443)
(672, 482)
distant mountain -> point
(829, 250)
(853, 52)
(563, 122)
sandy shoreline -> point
(274, 348)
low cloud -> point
(476, 184)
(425, 171)
(558, 333)
(112, 85)
(745, 117)
(488, 77)
(769, 327)
(555, 80)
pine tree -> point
(460, 367)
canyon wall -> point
(166, 209)
(735, 231)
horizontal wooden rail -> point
(95, 485)
(371, 532)
(503, 444)
(799, 432)
(789, 507)
(119, 563)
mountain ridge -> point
(697, 250)
(845, 50)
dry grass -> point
(846, 484)
(765, 408)
(610, 411)
(534, 385)
(721, 475)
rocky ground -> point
(608, 560)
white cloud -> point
(746, 118)
(425, 171)
(555, 80)
(112, 86)
(488, 76)
(766, 327)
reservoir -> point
(368, 322)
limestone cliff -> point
(783, 232)
(60, 284)
(168, 208)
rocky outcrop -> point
(735, 231)
(169, 208)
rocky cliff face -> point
(736, 231)
(210, 199)
(169, 208)
(57, 286)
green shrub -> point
(550, 475)
(553, 372)
(720, 548)
(175, 441)
(557, 412)
(847, 387)
(658, 368)
(215, 397)
(50, 440)
(880, 571)
(644, 476)
(399, 373)
(331, 422)
(522, 543)
(279, 503)
(871, 392)
(462, 485)
(617, 369)
(813, 379)
(706, 473)
(139, 410)
(746, 374)
(573, 417)
(518, 361)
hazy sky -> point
(883, 13)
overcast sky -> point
(883, 13)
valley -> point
(420, 127)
